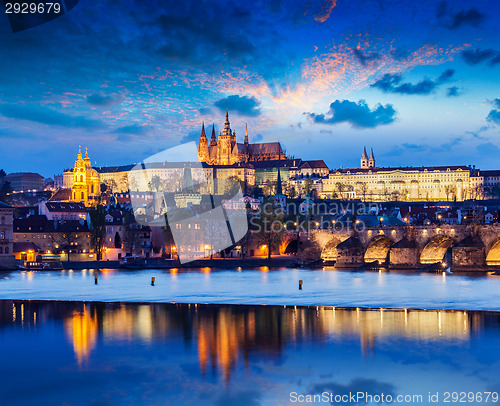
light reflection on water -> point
(117, 353)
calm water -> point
(103, 354)
(261, 286)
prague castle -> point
(402, 183)
(227, 151)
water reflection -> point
(226, 335)
(218, 354)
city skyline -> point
(419, 83)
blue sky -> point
(417, 81)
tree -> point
(450, 190)
(155, 183)
(340, 188)
(118, 240)
(232, 185)
(364, 190)
(4, 189)
(268, 188)
(267, 226)
(292, 193)
(66, 240)
(308, 186)
(167, 236)
(97, 216)
(131, 240)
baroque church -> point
(86, 184)
(227, 151)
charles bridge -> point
(463, 247)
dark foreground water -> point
(261, 286)
(103, 354)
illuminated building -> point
(6, 236)
(86, 182)
(400, 183)
(227, 151)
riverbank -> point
(159, 263)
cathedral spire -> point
(227, 126)
(365, 155)
(79, 152)
(213, 139)
(246, 134)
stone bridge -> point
(463, 247)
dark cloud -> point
(390, 83)
(134, 129)
(242, 398)
(494, 116)
(205, 110)
(454, 20)
(487, 148)
(446, 75)
(363, 385)
(366, 59)
(476, 56)
(243, 105)
(400, 54)
(359, 114)
(44, 115)
(98, 99)
(453, 91)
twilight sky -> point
(417, 81)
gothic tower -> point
(213, 139)
(203, 146)
(371, 160)
(364, 159)
(225, 143)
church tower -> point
(86, 181)
(225, 143)
(79, 188)
(203, 146)
(371, 160)
(364, 159)
(213, 139)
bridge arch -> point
(292, 247)
(329, 253)
(435, 249)
(493, 254)
(378, 249)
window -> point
(1, 250)
(2, 220)
(6, 250)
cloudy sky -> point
(417, 81)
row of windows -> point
(4, 251)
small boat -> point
(46, 262)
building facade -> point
(7, 260)
(226, 150)
(86, 182)
(24, 181)
(403, 183)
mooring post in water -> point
(152, 281)
(95, 278)
(300, 284)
